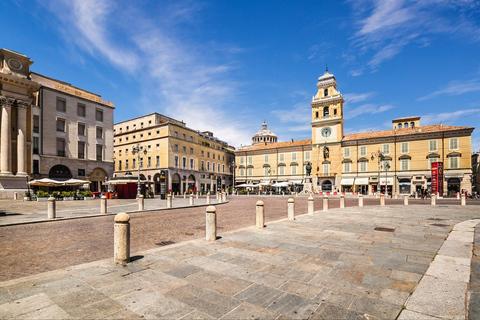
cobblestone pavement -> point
(354, 263)
(33, 248)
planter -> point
(26, 198)
(88, 198)
(42, 199)
(68, 198)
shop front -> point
(362, 185)
(404, 186)
(347, 184)
(386, 183)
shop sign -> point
(437, 178)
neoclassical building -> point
(398, 160)
(50, 128)
(191, 159)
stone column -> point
(325, 202)
(433, 200)
(141, 203)
(169, 201)
(382, 199)
(51, 208)
(360, 200)
(6, 138)
(310, 205)
(211, 224)
(405, 199)
(208, 198)
(191, 199)
(260, 210)
(291, 209)
(103, 205)
(342, 201)
(22, 139)
(121, 239)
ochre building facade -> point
(398, 160)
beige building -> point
(45, 123)
(192, 160)
(476, 172)
(398, 160)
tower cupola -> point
(264, 136)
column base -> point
(6, 174)
(21, 174)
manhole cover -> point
(439, 225)
(188, 234)
(164, 243)
(384, 229)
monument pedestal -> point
(307, 185)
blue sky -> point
(227, 65)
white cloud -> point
(356, 72)
(449, 117)
(300, 112)
(357, 97)
(386, 15)
(366, 109)
(455, 88)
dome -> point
(326, 76)
(264, 135)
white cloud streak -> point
(449, 117)
(357, 97)
(366, 109)
(455, 88)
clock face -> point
(326, 132)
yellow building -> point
(192, 160)
(399, 159)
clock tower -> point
(327, 125)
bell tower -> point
(327, 112)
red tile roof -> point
(401, 132)
(306, 142)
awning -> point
(388, 181)
(280, 184)
(361, 181)
(46, 182)
(347, 181)
(295, 181)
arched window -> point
(399, 126)
(405, 125)
(326, 111)
(325, 93)
(412, 124)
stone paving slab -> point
(325, 266)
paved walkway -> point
(352, 263)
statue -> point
(308, 168)
(326, 152)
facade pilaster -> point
(22, 138)
(6, 138)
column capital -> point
(3, 100)
(22, 104)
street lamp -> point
(232, 165)
(138, 151)
(386, 166)
(380, 158)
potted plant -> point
(87, 195)
(42, 195)
(68, 195)
(27, 196)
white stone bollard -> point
(310, 205)
(464, 200)
(196, 195)
(208, 198)
(416, 195)
(260, 210)
(396, 195)
(382, 199)
(258, 192)
(15, 196)
(296, 194)
(405, 200)
(433, 200)
(173, 195)
(224, 197)
(191, 199)
(291, 209)
(103, 205)
(211, 224)
(141, 203)
(270, 193)
(360, 200)
(342, 201)
(52, 214)
(121, 239)
(169, 201)
(458, 195)
(283, 193)
(325, 202)
(184, 195)
(219, 197)
(376, 195)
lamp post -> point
(232, 165)
(380, 158)
(138, 151)
(386, 166)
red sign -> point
(437, 178)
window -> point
(99, 115)
(184, 149)
(191, 150)
(250, 160)
(61, 125)
(119, 164)
(99, 152)
(346, 167)
(213, 167)
(282, 157)
(175, 134)
(453, 143)
(432, 160)
(218, 168)
(208, 154)
(386, 149)
(363, 151)
(325, 92)
(203, 166)
(81, 129)
(404, 164)
(335, 112)
(346, 153)
(326, 169)
(293, 169)
(149, 162)
(158, 134)
(316, 114)
(404, 147)
(61, 105)
(126, 164)
(362, 166)
(140, 163)
(141, 124)
(134, 126)
(134, 163)
(223, 168)
(36, 166)
(453, 162)
(133, 137)
(213, 156)
(241, 171)
(432, 146)
(36, 124)
(203, 153)
(60, 147)
(266, 171)
(81, 172)
(175, 148)
(36, 145)
(266, 158)
(81, 110)
(192, 164)
(149, 148)
(242, 160)
(208, 166)
(184, 136)
(308, 155)
(281, 170)
(326, 111)
(149, 135)
(99, 133)
(158, 147)
(81, 150)
(250, 172)
(184, 163)
(157, 161)
(191, 138)
(294, 156)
